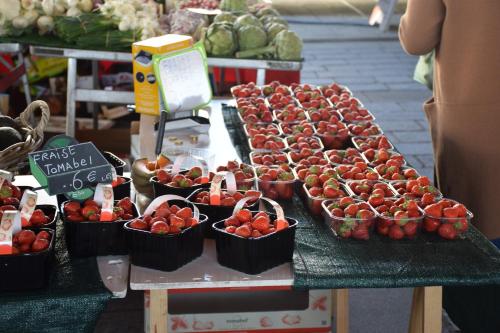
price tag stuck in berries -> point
(5, 176)
(71, 168)
(9, 225)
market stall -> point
(321, 260)
(62, 31)
(288, 192)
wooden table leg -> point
(340, 309)
(158, 311)
(426, 310)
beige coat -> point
(464, 114)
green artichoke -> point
(273, 19)
(225, 17)
(220, 40)
(287, 45)
(273, 29)
(234, 5)
(245, 20)
(267, 11)
(251, 37)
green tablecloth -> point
(72, 301)
(322, 260)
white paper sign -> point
(184, 80)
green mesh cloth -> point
(324, 261)
(72, 301)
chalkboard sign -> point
(71, 168)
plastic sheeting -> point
(323, 261)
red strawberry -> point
(395, 232)
(447, 231)
(243, 231)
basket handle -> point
(280, 214)
(27, 114)
(215, 187)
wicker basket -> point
(15, 157)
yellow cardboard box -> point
(147, 95)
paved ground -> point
(380, 74)
(329, 7)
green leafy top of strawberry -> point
(6, 192)
(285, 176)
(333, 205)
(183, 183)
(314, 169)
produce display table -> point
(323, 261)
(124, 97)
(77, 291)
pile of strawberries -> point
(246, 90)
(299, 141)
(333, 135)
(368, 189)
(416, 188)
(182, 180)
(399, 218)
(357, 171)
(314, 159)
(280, 100)
(355, 113)
(27, 241)
(328, 114)
(243, 173)
(304, 154)
(226, 198)
(254, 110)
(263, 129)
(37, 219)
(347, 156)
(377, 142)
(267, 142)
(392, 170)
(335, 150)
(446, 217)
(275, 183)
(268, 159)
(166, 219)
(275, 87)
(10, 194)
(350, 218)
(383, 156)
(364, 129)
(290, 114)
(91, 211)
(248, 225)
(335, 92)
(304, 127)
(321, 184)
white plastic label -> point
(9, 225)
(105, 198)
(27, 206)
(215, 188)
(5, 175)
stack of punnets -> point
(417, 239)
